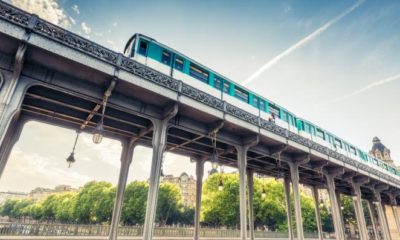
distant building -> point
(381, 152)
(64, 188)
(39, 193)
(4, 196)
(187, 185)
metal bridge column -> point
(10, 119)
(126, 160)
(317, 212)
(160, 129)
(242, 165)
(393, 202)
(11, 137)
(372, 213)
(294, 173)
(199, 186)
(288, 207)
(250, 180)
(337, 193)
(381, 214)
(356, 182)
(334, 202)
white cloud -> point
(76, 9)
(113, 45)
(73, 21)
(86, 28)
(366, 88)
(302, 42)
(30, 166)
(46, 9)
(108, 151)
(114, 24)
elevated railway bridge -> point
(50, 75)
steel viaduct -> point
(51, 75)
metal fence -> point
(40, 229)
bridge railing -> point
(40, 229)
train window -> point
(274, 110)
(166, 57)
(307, 128)
(198, 73)
(338, 143)
(241, 94)
(143, 48)
(291, 120)
(284, 116)
(353, 150)
(218, 83)
(227, 86)
(179, 63)
(320, 133)
(262, 104)
(256, 102)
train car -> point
(168, 61)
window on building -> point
(143, 48)
(179, 63)
(218, 83)
(320, 133)
(241, 94)
(166, 57)
(227, 86)
(198, 73)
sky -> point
(334, 63)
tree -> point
(346, 202)
(49, 206)
(269, 211)
(134, 206)
(65, 211)
(8, 207)
(95, 202)
(21, 208)
(221, 207)
(326, 219)
(169, 203)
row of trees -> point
(94, 202)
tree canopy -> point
(93, 204)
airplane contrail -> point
(366, 88)
(302, 42)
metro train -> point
(166, 60)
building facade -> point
(187, 185)
(4, 196)
(381, 152)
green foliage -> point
(49, 207)
(326, 219)
(346, 202)
(221, 207)
(65, 211)
(169, 203)
(134, 206)
(95, 202)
